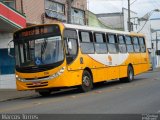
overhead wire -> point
(133, 2)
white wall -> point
(133, 16)
(7, 82)
(144, 28)
(4, 39)
(155, 25)
(114, 21)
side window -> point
(122, 45)
(112, 43)
(99, 37)
(71, 44)
(142, 44)
(86, 36)
(100, 45)
(87, 45)
(136, 44)
(129, 44)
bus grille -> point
(37, 78)
(37, 84)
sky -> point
(141, 7)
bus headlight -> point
(58, 73)
(20, 79)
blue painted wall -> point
(7, 63)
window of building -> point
(87, 45)
(55, 10)
(77, 16)
(10, 3)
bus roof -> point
(87, 28)
(80, 27)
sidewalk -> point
(10, 94)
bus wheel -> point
(87, 82)
(130, 75)
(45, 93)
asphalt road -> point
(140, 96)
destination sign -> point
(37, 30)
(34, 32)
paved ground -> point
(10, 94)
(140, 96)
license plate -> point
(37, 83)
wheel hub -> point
(86, 81)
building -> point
(49, 11)
(155, 41)
(10, 21)
(93, 21)
(119, 20)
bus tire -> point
(87, 82)
(45, 93)
(130, 75)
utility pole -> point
(129, 17)
(22, 9)
(69, 3)
(156, 48)
(156, 41)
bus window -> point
(122, 45)
(87, 46)
(71, 45)
(99, 37)
(70, 34)
(112, 44)
(142, 44)
(100, 45)
(136, 44)
(121, 39)
(85, 37)
(129, 44)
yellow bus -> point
(55, 56)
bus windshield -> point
(40, 51)
(38, 46)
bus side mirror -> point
(9, 48)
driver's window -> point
(71, 45)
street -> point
(140, 96)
